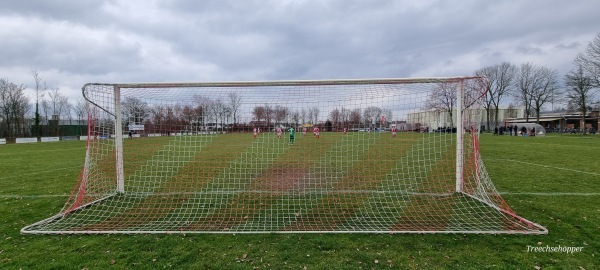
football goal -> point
(319, 156)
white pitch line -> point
(12, 196)
(552, 193)
(551, 167)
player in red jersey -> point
(316, 132)
(304, 131)
(278, 133)
(394, 130)
(345, 131)
(255, 131)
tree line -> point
(199, 114)
(22, 116)
(206, 113)
(532, 87)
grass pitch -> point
(551, 180)
(360, 182)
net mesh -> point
(297, 156)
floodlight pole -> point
(119, 141)
(459, 138)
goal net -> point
(376, 155)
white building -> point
(434, 119)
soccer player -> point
(304, 131)
(292, 131)
(278, 133)
(394, 131)
(316, 132)
(255, 133)
(345, 130)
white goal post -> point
(315, 156)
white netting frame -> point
(99, 174)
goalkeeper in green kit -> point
(292, 132)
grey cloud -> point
(572, 45)
(88, 12)
(529, 50)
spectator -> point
(523, 131)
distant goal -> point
(323, 156)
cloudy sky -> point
(72, 42)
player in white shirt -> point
(316, 132)
(345, 130)
(304, 131)
(394, 130)
(255, 131)
(278, 133)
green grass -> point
(553, 181)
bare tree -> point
(219, 111)
(355, 117)
(535, 86)
(80, 108)
(371, 115)
(579, 91)
(39, 94)
(269, 114)
(281, 113)
(227, 113)
(158, 116)
(313, 115)
(171, 118)
(69, 109)
(500, 82)
(14, 105)
(235, 101)
(388, 114)
(188, 115)
(335, 116)
(45, 110)
(590, 61)
(135, 110)
(443, 98)
(303, 115)
(58, 103)
(259, 113)
(524, 85)
(295, 117)
(546, 88)
(59, 107)
(202, 105)
(344, 116)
